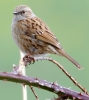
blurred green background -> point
(69, 20)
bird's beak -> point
(15, 13)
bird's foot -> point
(28, 60)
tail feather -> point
(63, 53)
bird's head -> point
(22, 12)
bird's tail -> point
(63, 53)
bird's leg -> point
(21, 66)
(28, 59)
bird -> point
(33, 36)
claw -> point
(28, 59)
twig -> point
(43, 84)
(62, 68)
(24, 87)
(34, 92)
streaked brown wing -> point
(37, 28)
(44, 34)
(48, 38)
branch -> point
(34, 93)
(28, 59)
(43, 84)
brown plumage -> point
(34, 37)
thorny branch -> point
(28, 60)
(43, 84)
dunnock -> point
(34, 37)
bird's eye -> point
(22, 12)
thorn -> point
(61, 90)
(18, 74)
(36, 80)
(54, 83)
(80, 93)
(69, 88)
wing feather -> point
(37, 27)
(44, 34)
